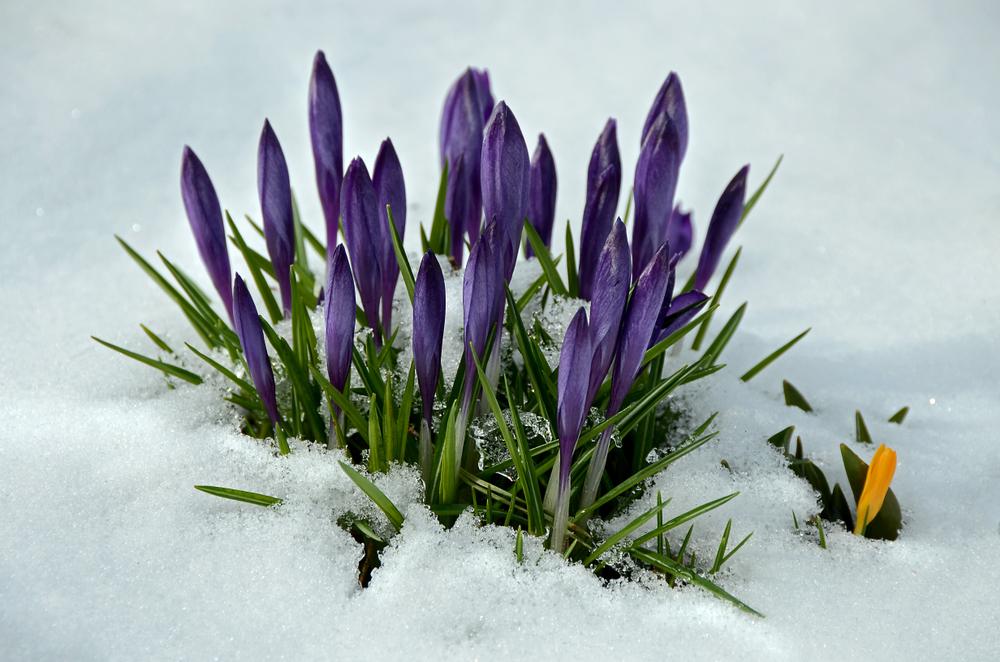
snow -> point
(879, 232)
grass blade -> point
(773, 356)
(668, 565)
(544, 258)
(752, 202)
(384, 503)
(397, 246)
(239, 495)
(165, 368)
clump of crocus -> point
(612, 361)
(880, 473)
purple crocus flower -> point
(482, 298)
(637, 328)
(205, 216)
(604, 182)
(275, 193)
(655, 184)
(574, 371)
(680, 231)
(359, 209)
(681, 310)
(461, 148)
(251, 336)
(326, 130)
(725, 218)
(339, 307)
(542, 193)
(611, 283)
(428, 328)
(504, 177)
(670, 101)
(389, 190)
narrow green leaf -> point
(156, 339)
(861, 433)
(439, 238)
(273, 310)
(716, 298)
(572, 279)
(773, 356)
(622, 533)
(684, 518)
(545, 260)
(720, 553)
(343, 402)
(752, 202)
(397, 246)
(725, 335)
(376, 495)
(628, 205)
(782, 439)
(667, 564)
(165, 368)
(899, 416)
(793, 398)
(239, 495)
(243, 384)
(519, 546)
(300, 235)
(314, 243)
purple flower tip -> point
(574, 372)
(680, 232)
(251, 336)
(482, 296)
(681, 310)
(542, 193)
(359, 209)
(670, 101)
(504, 177)
(611, 283)
(389, 190)
(326, 131)
(604, 182)
(339, 306)
(428, 328)
(275, 193)
(725, 218)
(655, 184)
(205, 216)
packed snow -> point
(880, 232)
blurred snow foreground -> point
(106, 552)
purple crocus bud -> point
(482, 289)
(205, 216)
(339, 307)
(275, 193)
(655, 184)
(611, 283)
(574, 371)
(482, 78)
(680, 232)
(251, 336)
(428, 328)
(604, 183)
(725, 218)
(542, 193)
(504, 177)
(359, 209)
(681, 310)
(462, 140)
(389, 190)
(670, 101)
(326, 130)
(637, 327)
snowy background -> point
(880, 231)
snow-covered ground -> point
(880, 232)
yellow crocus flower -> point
(880, 472)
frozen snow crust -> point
(878, 232)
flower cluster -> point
(341, 381)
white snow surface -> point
(880, 232)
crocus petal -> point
(611, 282)
(604, 183)
(725, 218)
(462, 139)
(681, 310)
(670, 101)
(880, 473)
(637, 327)
(483, 93)
(655, 184)
(428, 328)
(680, 232)
(574, 372)
(389, 190)
(205, 216)
(482, 286)
(326, 131)
(359, 208)
(542, 193)
(275, 193)
(504, 177)
(251, 336)
(339, 307)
